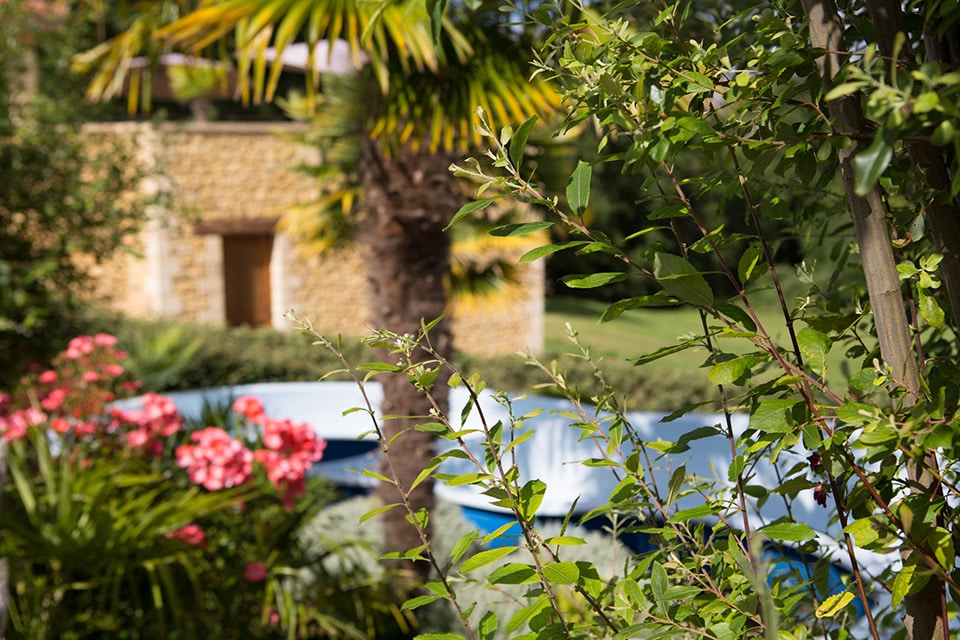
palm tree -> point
(410, 112)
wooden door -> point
(246, 279)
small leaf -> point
(737, 314)
(487, 629)
(870, 164)
(770, 416)
(834, 604)
(658, 581)
(659, 299)
(907, 582)
(484, 558)
(522, 617)
(520, 228)
(519, 140)
(578, 189)
(419, 601)
(732, 371)
(377, 511)
(930, 309)
(469, 208)
(694, 513)
(863, 532)
(666, 351)
(814, 347)
(592, 280)
(789, 532)
(530, 498)
(379, 367)
(680, 278)
(562, 573)
(550, 249)
(513, 573)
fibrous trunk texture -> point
(410, 199)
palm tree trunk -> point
(410, 197)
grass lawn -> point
(643, 331)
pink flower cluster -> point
(216, 461)
(72, 396)
(151, 425)
(291, 448)
(191, 534)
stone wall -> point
(199, 174)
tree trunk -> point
(924, 612)
(410, 198)
(943, 214)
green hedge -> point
(187, 356)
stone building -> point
(211, 251)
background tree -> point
(60, 208)
(849, 105)
(413, 113)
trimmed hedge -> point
(223, 356)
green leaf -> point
(419, 601)
(770, 416)
(680, 278)
(562, 573)
(732, 371)
(565, 541)
(379, 367)
(487, 629)
(750, 265)
(435, 9)
(550, 249)
(814, 347)
(666, 351)
(789, 531)
(870, 164)
(694, 513)
(942, 543)
(469, 208)
(845, 89)
(530, 498)
(907, 582)
(864, 532)
(522, 617)
(669, 211)
(377, 511)
(930, 309)
(834, 604)
(658, 299)
(736, 314)
(520, 228)
(513, 573)
(519, 140)
(486, 557)
(658, 581)
(592, 280)
(578, 189)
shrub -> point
(123, 523)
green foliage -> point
(60, 208)
(781, 121)
(189, 356)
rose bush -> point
(129, 523)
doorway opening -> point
(246, 279)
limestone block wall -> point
(198, 174)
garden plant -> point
(126, 521)
(839, 120)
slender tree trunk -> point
(410, 197)
(924, 612)
(943, 214)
